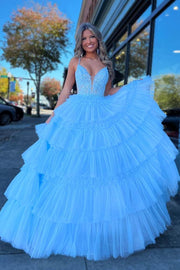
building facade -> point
(142, 38)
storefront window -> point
(120, 59)
(141, 19)
(139, 55)
(166, 67)
(110, 52)
(158, 2)
(121, 39)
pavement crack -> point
(11, 253)
(85, 262)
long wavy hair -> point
(79, 52)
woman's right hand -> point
(49, 118)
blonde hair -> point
(79, 52)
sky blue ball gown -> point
(97, 180)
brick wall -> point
(87, 9)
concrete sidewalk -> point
(165, 254)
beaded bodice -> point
(88, 85)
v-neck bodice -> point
(91, 85)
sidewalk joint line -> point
(85, 262)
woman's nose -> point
(88, 40)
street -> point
(164, 255)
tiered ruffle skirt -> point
(97, 180)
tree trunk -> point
(51, 101)
(37, 105)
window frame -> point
(135, 12)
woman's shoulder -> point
(74, 62)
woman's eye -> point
(84, 38)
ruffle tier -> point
(97, 181)
(40, 237)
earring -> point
(98, 51)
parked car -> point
(19, 111)
(171, 124)
(41, 105)
(44, 106)
(7, 114)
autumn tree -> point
(50, 88)
(17, 94)
(3, 82)
(14, 96)
(4, 87)
(35, 40)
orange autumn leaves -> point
(50, 87)
(36, 33)
(40, 20)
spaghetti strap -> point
(79, 60)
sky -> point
(70, 8)
(166, 51)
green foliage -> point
(4, 86)
(138, 54)
(167, 91)
(3, 83)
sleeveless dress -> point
(97, 180)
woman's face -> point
(89, 41)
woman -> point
(97, 181)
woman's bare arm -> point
(70, 80)
(66, 91)
(110, 90)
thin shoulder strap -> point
(79, 60)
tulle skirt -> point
(97, 180)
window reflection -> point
(110, 52)
(121, 39)
(166, 68)
(158, 2)
(120, 62)
(141, 19)
(139, 55)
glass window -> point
(158, 2)
(139, 55)
(166, 67)
(141, 19)
(120, 63)
(121, 39)
(110, 52)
